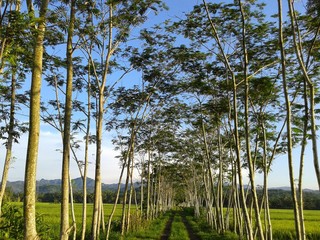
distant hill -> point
(51, 186)
(289, 189)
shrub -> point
(12, 223)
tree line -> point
(194, 104)
(278, 199)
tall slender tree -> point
(289, 119)
(30, 231)
(64, 227)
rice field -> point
(282, 219)
(283, 223)
(50, 212)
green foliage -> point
(152, 230)
(203, 230)
(12, 223)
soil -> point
(192, 235)
(166, 233)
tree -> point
(288, 114)
(13, 27)
(30, 231)
(115, 21)
(64, 227)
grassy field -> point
(50, 212)
(282, 220)
(178, 230)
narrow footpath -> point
(192, 235)
(167, 231)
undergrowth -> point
(205, 232)
(12, 223)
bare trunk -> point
(30, 232)
(236, 129)
(297, 45)
(115, 203)
(220, 186)
(9, 141)
(86, 160)
(101, 101)
(64, 225)
(73, 215)
(97, 187)
(303, 147)
(124, 222)
(148, 185)
(268, 225)
(289, 135)
(247, 130)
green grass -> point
(50, 212)
(205, 232)
(178, 229)
(151, 230)
(282, 222)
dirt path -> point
(192, 235)
(166, 233)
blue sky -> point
(49, 161)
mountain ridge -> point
(54, 185)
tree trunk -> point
(148, 185)
(220, 186)
(268, 225)
(30, 231)
(64, 225)
(101, 102)
(124, 203)
(247, 130)
(289, 135)
(115, 202)
(74, 224)
(9, 141)
(236, 128)
(86, 160)
(298, 50)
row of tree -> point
(278, 199)
(224, 89)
